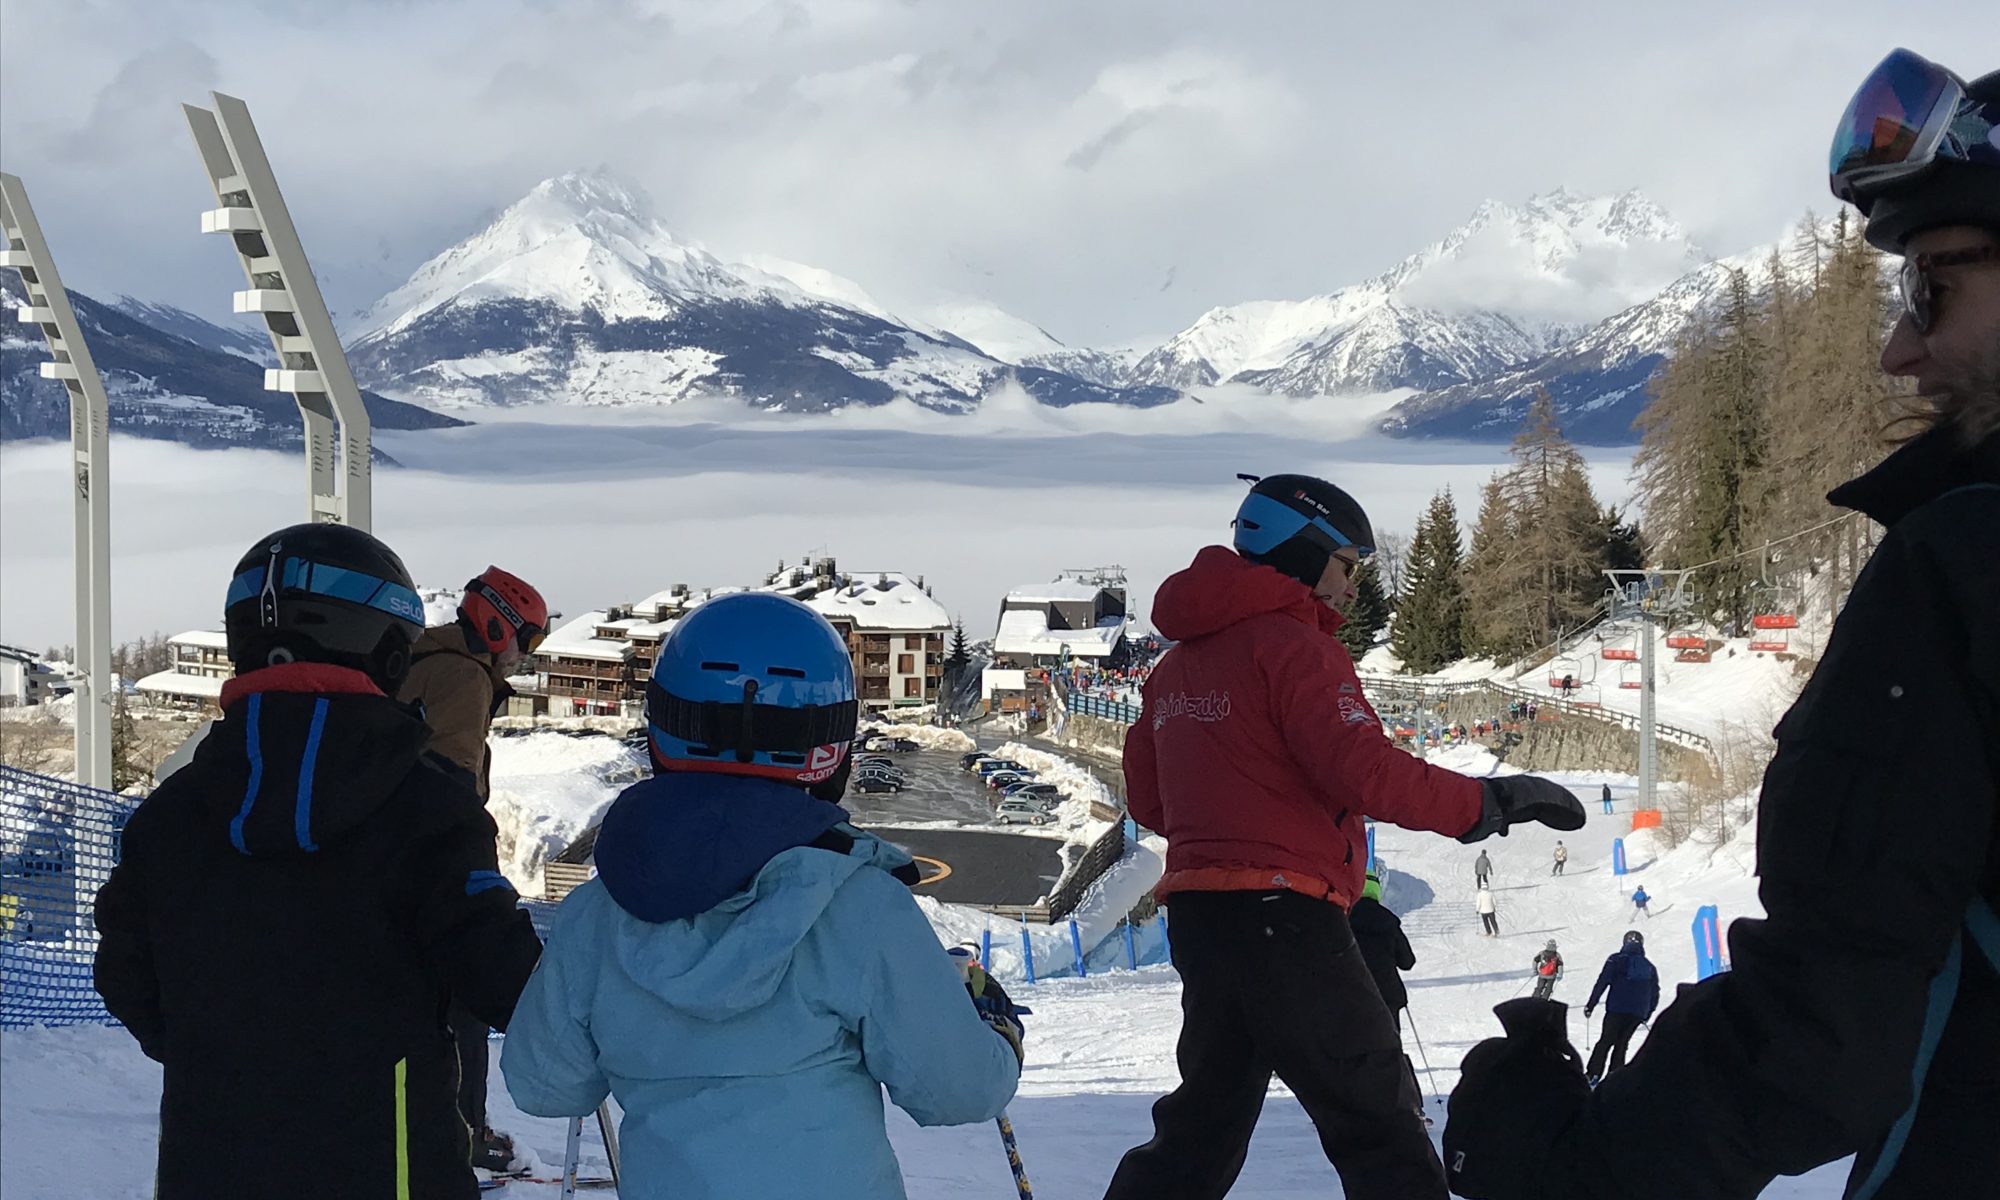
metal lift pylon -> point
(311, 364)
(90, 443)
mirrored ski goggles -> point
(1909, 113)
(1920, 289)
(319, 579)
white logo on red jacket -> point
(1207, 708)
(1353, 711)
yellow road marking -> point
(943, 869)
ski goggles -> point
(1908, 114)
(1919, 290)
(299, 575)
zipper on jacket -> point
(402, 1129)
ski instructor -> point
(1258, 758)
(1866, 1029)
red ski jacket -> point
(1256, 755)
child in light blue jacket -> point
(747, 972)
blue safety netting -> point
(58, 843)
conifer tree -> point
(1369, 612)
(1430, 619)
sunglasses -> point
(1348, 566)
(1919, 286)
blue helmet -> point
(1295, 522)
(753, 683)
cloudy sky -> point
(1107, 168)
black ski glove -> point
(1512, 799)
(1515, 1097)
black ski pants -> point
(1490, 921)
(1616, 1038)
(470, 1033)
(1272, 983)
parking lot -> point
(980, 861)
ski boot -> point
(493, 1153)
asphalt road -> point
(980, 866)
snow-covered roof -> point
(869, 604)
(174, 683)
(1062, 590)
(202, 639)
(577, 639)
(1026, 631)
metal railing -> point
(58, 843)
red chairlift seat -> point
(1628, 678)
(1774, 621)
(1621, 653)
(1771, 645)
(1686, 639)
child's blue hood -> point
(676, 845)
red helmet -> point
(500, 609)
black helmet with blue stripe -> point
(327, 594)
(1295, 522)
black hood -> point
(298, 769)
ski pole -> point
(1021, 1184)
(1421, 1054)
(572, 1152)
(609, 1131)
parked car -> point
(1001, 780)
(894, 745)
(1024, 788)
(989, 766)
(967, 762)
(876, 782)
(866, 759)
(881, 769)
(1020, 812)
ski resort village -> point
(851, 601)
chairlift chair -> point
(1628, 677)
(1588, 697)
(1773, 639)
(1693, 656)
(1626, 650)
(1565, 668)
(1686, 639)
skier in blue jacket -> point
(747, 972)
(1634, 985)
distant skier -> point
(748, 972)
(1569, 685)
(1482, 869)
(1484, 904)
(292, 909)
(1260, 759)
(1548, 970)
(1378, 933)
(1607, 799)
(1639, 901)
(1562, 857)
(1635, 992)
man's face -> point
(1336, 587)
(1958, 361)
(509, 658)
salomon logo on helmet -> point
(323, 593)
(753, 684)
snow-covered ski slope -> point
(81, 1105)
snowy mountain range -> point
(1598, 380)
(1505, 287)
(161, 384)
(578, 294)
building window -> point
(906, 664)
(913, 687)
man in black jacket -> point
(1873, 1028)
(292, 908)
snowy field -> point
(80, 1105)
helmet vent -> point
(787, 672)
(720, 666)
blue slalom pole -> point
(1027, 952)
(1131, 951)
(1076, 941)
(986, 947)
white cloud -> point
(1056, 158)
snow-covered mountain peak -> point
(584, 240)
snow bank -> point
(931, 737)
(547, 789)
(1103, 906)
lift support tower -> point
(90, 443)
(311, 364)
